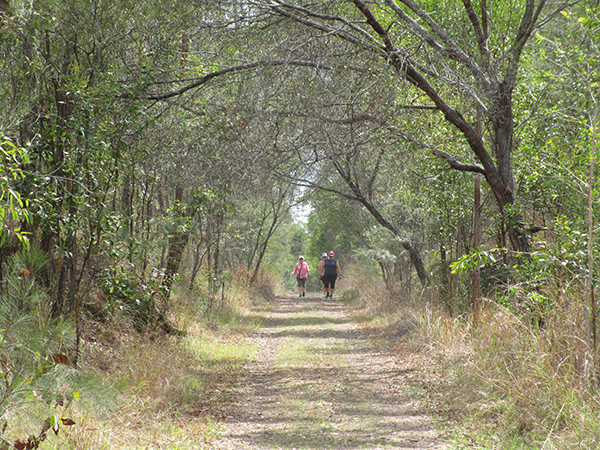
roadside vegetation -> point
(508, 383)
(517, 379)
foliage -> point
(130, 298)
(13, 208)
(35, 353)
(150, 152)
(476, 260)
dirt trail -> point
(319, 382)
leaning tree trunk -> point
(413, 252)
(499, 173)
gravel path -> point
(319, 382)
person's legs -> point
(332, 286)
(326, 285)
(303, 287)
(299, 282)
(323, 258)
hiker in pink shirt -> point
(301, 271)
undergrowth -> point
(507, 383)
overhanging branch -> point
(234, 69)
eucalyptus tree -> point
(13, 210)
(306, 117)
(363, 164)
(339, 224)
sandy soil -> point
(319, 381)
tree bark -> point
(589, 281)
(476, 244)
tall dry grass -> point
(364, 287)
(234, 297)
(517, 385)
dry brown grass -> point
(506, 384)
(366, 289)
(515, 385)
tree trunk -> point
(176, 245)
(589, 281)
(263, 245)
(476, 244)
(359, 196)
(477, 231)
(500, 176)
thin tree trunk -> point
(476, 245)
(263, 249)
(477, 232)
(589, 282)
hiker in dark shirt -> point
(331, 271)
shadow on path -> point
(318, 382)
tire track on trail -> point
(319, 382)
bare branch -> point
(553, 14)
(324, 17)
(479, 30)
(449, 49)
(280, 8)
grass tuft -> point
(513, 385)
